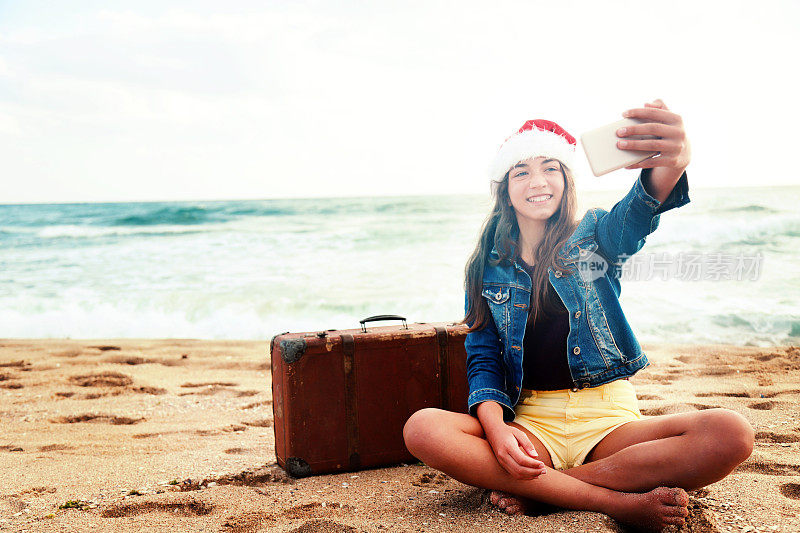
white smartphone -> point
(600, 147)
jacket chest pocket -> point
(601, 331)
(498, 299)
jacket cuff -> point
(678, 196)
(482, 395)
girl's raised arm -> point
(661, 186)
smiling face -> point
(535, 188)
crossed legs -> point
(626, 475)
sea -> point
(251, 269)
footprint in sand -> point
(39, 490)
(716, 371)
(314, 509)
(261, 423)
(722, 394)
(67, 353)
(669, 409)
(248, 522)
(15, 364)
(769, 436)
(217, 431)
(257, 404)
(148, 390)
(702, 406)
(762, 406)
(235, 365)
(791, 490)
(105, 348)
(776, 393)
(320, 525)
(649, 397)
(237, 451)
(11, 385)
(771, 469)
(11, 448)
(766, 357)
(157, 434)
(55, 447)
(661, 379)
(210, 384)
(215, 387)
(93, 417)
(101, 379)
(96, 395)
(189, 507)
(207, 432)
(113, 380)
(430, 478)
(127, 360)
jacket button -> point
(574, 389)
(557, 273)
(576, 350)
(577, 314)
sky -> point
(197, 100)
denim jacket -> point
(601, 346)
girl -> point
(552, 415)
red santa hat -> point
(535, 138)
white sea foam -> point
(223, 275)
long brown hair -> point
(500, 230)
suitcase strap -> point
(351, 412)
(444, 370)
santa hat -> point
(535, 138)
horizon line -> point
(79, 202)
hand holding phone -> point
(600, 147)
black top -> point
(544, 364)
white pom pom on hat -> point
(535, 138)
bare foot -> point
(653, 510)
(508, 503)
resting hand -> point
(515, 453)
(672, 144)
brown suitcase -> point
(341, 397)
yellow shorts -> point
(570, 424)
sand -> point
(176, 435)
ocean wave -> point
(129, 320)
(73, 231)
(170, 215)
(752, 208)
(86, 314)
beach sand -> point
(176, 435)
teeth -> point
(540, 199)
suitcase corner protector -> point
(293, 349)
(297, 467)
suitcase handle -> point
(381, 317)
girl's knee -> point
(419, 430)
(732, 436)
